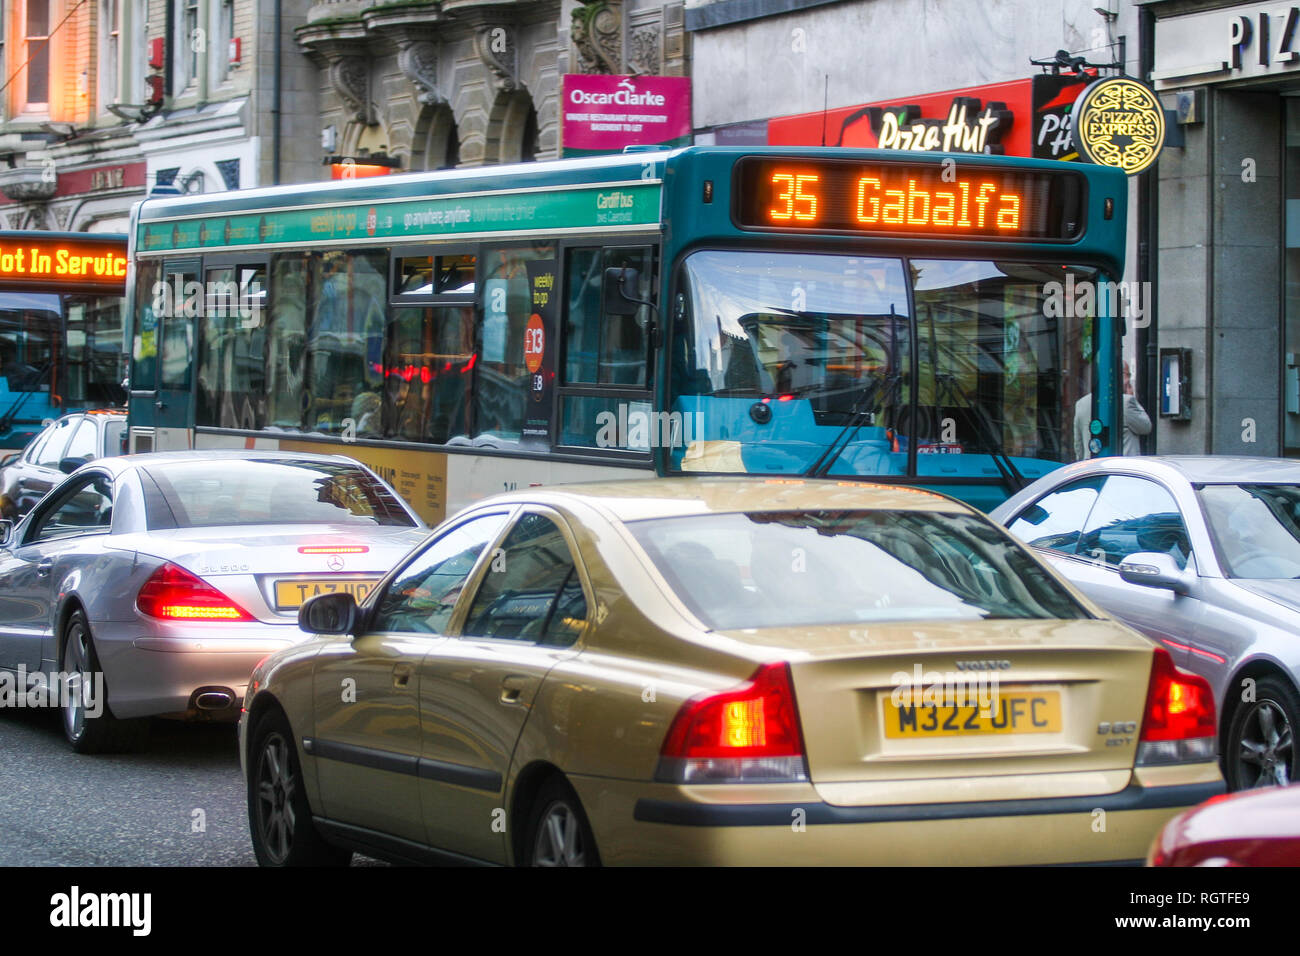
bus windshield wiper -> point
(842, 440)
(1011, 475)
(861, 414)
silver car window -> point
(1131, 515)
(1256, 528)
(199, 494)
(51, 453)
(1055, 520)
(114, 433)
(37, 445)
(83, 442)
(84, 508)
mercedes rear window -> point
(208, 493)
(799, 568)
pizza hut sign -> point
(967, 129)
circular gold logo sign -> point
(1119, 122)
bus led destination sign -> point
(63, 262)
(965, 201)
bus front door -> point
(168, 301)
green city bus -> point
(946, 321)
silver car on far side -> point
(1203, 555)
(150, 585)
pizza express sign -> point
(1119, 122)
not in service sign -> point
(602, 114)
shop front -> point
(1226, 229)
(1030, 116)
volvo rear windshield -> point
(796, 568)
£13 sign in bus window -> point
(892, 199)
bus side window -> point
(501, 375)
(345, 338)
(605, 349)
(428, 357)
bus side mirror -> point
(69, 465)
(620, 292)
(6, 531)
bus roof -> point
(632, 193)
(614, 167)
(595, 169)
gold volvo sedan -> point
(720, 671)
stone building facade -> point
(107, 99)
(433, 85)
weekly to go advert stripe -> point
(577, 208)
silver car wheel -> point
(76, 664)
(559, 838)
(275, 792)
(1267, 739)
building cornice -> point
(214, 123)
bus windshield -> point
(799, 363)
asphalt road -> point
(58, 808)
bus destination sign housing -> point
(31, 260)
(923, 200)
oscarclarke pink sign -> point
(602, 114)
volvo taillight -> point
(747, 735)
(1179, 723)
(174, 594)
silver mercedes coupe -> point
(1203, 555)
(150, 585)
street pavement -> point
(58, 808)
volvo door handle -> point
(401, 676)
(44, 568)
(512, 689)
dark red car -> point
(1247, 828)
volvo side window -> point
(530, 582)
(423, 596)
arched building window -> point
(436, 144)
(513, 134)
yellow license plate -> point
(294, 593)
(1006, 712)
